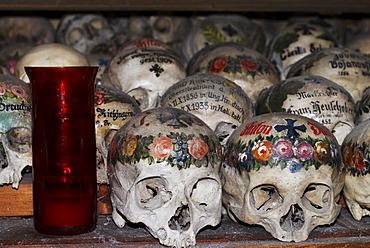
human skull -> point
(170, 29)
(216, 100)
(145, 70)
(113, 108)
(87, 33)
(360, 43)
(356, 158)
(53, 54)
(163, 167)
(15, 129)
(315, 97)
(215, 29)
(363, 107)
(35, 30)
(295, 42)
(282, 171)
(238, 63)
(346, 67)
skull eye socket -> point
(19, 139)
(206, 191)
(162, 25)
(152, 193)
(265, 198)
(97, 24)
(141, 96)
(317, 197)
(74, 36)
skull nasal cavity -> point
(293, 220)
(181, 220)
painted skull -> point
(282, 171)
(314, 97)
(346, 67)
(145, 69)
(295, 42)
(52, 54)
(163, 166)
(238, 63)
(15, 129)
(87, 33)
(363, 107)
(215, 29)
(217, 101)
(356, 158)
(113, 108)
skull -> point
(223, 28)
(163, 166)
(27, 29)
(145, 69)
(216, 100)
(356, 158)
(9, 55)
(360, 43)
(345, 67)
(113, 108)
(53, 54)
(244, 66)
(295, 42)
(282, 171)
(15, 129)
(170, 29)
(314, 97)
(363, 107)
(87, 33)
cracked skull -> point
(145, 69)
(163, 166)
(113, 108)
(284, 172)
(15, 129)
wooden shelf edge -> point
(314, 6)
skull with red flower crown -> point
(163, 167)
(15, 129)
(284, 172)
(356, 158)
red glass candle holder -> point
(63, 149)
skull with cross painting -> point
(284, 172)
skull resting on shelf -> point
(284, 172)
(15, 129)
(356, 158)
(163, 168)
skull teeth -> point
(181, 220)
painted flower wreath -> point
(177, 149)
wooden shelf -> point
(314, 6)
(346, 232)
